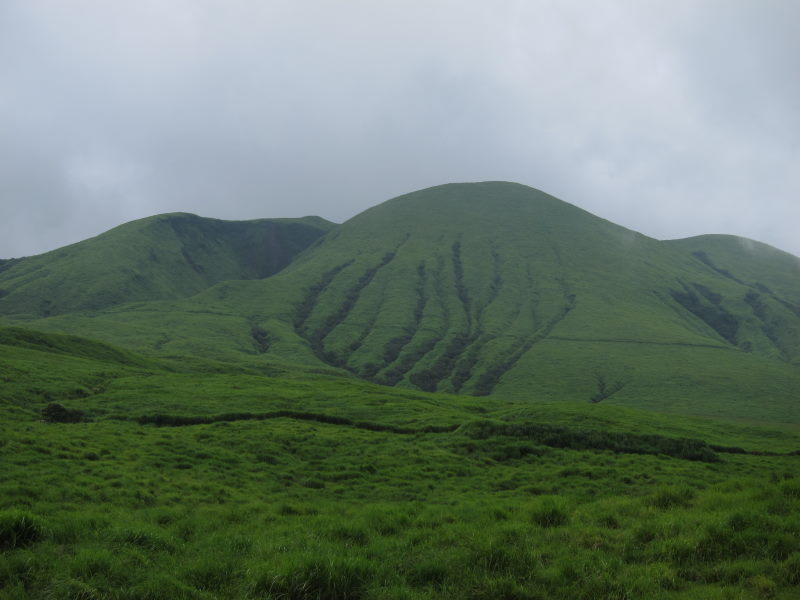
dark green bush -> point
(557, 436)
(58, 413)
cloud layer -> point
(673, 118)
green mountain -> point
(239, 410)
(496, 288)
(167, 256)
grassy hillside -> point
(320, 487)
(767, 281)
(184, 416)
(166, 256)
(497, 288)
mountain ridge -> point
(165, 256)
(497, 288)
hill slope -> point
(166, 256)
(497, 288)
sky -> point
(670, 117)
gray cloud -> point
(673, 118)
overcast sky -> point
(670, 117)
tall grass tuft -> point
(72, 589)
(19, 529)
(331, 578)
(550, 512)
(668, 497)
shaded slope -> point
(766, 285)
(69, 345)
(166, 256)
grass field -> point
(325, 504)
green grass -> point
(288, 507)
(294, 509)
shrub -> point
(18, 529)
(58, 413)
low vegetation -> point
(248, 486)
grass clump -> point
(331, 578)
(671, 497)
(19, 529)
(146, 539)
(791, 569)
(550, 512)
(73, 589)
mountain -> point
(167, 256)
(200, 416)
(487, 288)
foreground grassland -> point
(339, 491)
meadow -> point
(339, 491)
